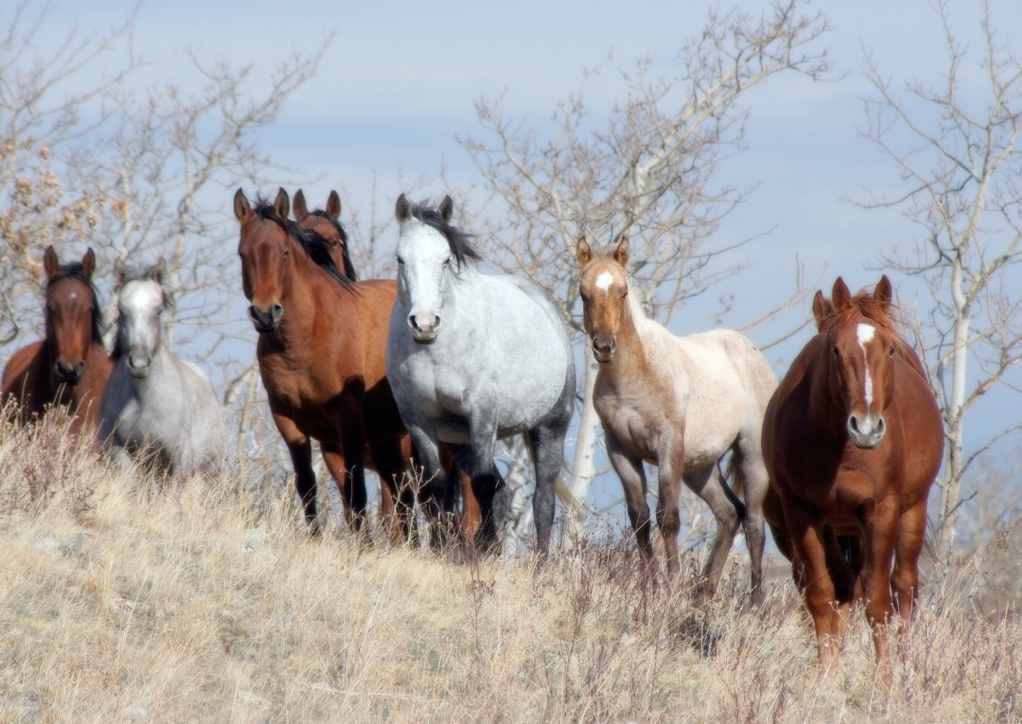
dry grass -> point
(191, 605)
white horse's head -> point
(140, 303)
(430, 253)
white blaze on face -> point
(865, 333)
(603, 281)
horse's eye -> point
(837, 355)
(890, 352)
(287, 253)
(400, 261)
(447, 261)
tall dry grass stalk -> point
(193, 604)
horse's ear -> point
(841, 298)
(89, 263)
(402, 209)
(622, 252)
(158, 271)
(120, 271)
(822, 309)
(50, 262)
(583, 252)
(301, 208)
(883, 292)
(241, 207)
(446, 209)
(282, 204)
(333, 205)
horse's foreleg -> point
(879, 523)
(633, 482)
(905, 578)
(300, 448)
(816, 584)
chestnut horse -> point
(680, 403)
(70, 367)
(327, 223)
(322, 340)
(853, 441)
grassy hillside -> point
(198, 605)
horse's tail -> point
(736, 474)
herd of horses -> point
(418, 377)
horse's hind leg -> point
(708, 485)
(546, 442)
(753, 478)
(485, 490)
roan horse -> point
(157, 409)
(474, 358)
(680, 403)
(853, 442)
(69, 367)
(322, 341)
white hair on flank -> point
(865, 334)
(603, 281)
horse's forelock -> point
(460, 241)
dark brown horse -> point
(69, 367)
(327, 223)
(322, 339)
(853, 441)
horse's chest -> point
(637, 432)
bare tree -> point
(47, 107)
(955, 146)
(649, 171)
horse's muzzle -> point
(424, 327)
(69, 373)
(139, 368)
(866, 432)
(266, 321)
(604, 348)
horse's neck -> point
(824, 421)
(309, 295)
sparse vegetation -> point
(203, 603)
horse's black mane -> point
(314, 245)
(74, 270)
(135, 274)
(349, 267)
(460, 241)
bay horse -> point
(157, 409)
(327, 223)
(681, 404)
(321, 347)
(854, 440)
(70, 366)
(474, 358)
